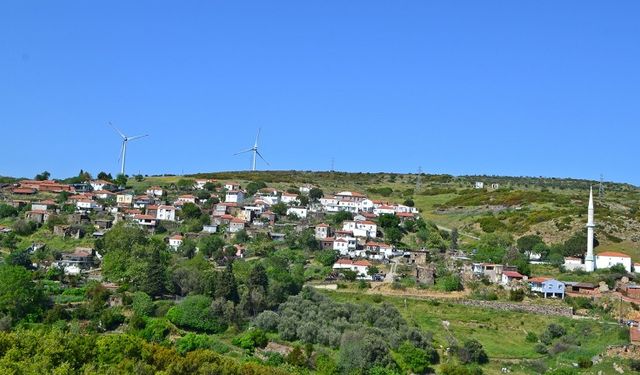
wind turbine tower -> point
(123, 150)
(255, 152)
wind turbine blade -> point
(257, 137)
(121, 149)
(118, 130)
(242, 152)
(137, 137)
(259, 154)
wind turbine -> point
(125, 140)
(255, 152)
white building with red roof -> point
(364, 228)
(361, 267)
(165, 212)
(175, 241)
(509, 277)
(609, 259)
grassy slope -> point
(501, 333)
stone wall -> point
(528, 308)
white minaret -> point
(589, 259)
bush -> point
(635, 364)
(449, 283)
(516, 295)
(531, 337)
(251, 339)
(556, 330)
(451, 369)
(195, 313)
(110, 319)
(540, 349)
(142, 304)
(267, 321)
(472, 352)
(584, 362)
(155, 330)
(192, 341)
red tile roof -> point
(513, 274)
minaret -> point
(589, 259)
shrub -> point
(195, 313)
(267, 321)
(540, 348)
(556, 330)
(635, 364)
(142, 304)
(584, 362)
(472, 352)
(110, 319)
(451, 369)
(531, 337)
(449, 283)
(516, 295)
(155, 330)
(192, 341)
(251, 339)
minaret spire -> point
(589, 259)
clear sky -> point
(540, 88)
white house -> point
(288, 198)
(479, 185)
(401, 208)
(306, 188)
(124, 199)
(234, 196)
(341, 245)
(232, 186)
(322, 231)
(378, 250)
(103, 194)
(300, 212)
(87, 204)
(361, 228)
(384, 209)
(146, 221)
(155, 191)
(166, 213)
(102, 185)
(175, 241)
(509, 277)
(199, 183)
(187, 198)
(609, 259)
(361, 267)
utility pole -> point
(418, 180)
(601, 187)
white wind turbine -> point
(125, 140)
(255, 152)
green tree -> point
(279, 209)
(42, 176)
(576, 246)
(415, 359)
(409, 202)
(472, 352)
(253, 187)
(315, 194)
(526, 244)
(19, 295)
(194, 312)
(454, 238)
(226, 286)
(7, 211)
(327, 257)
(393, 235)
(388, 221)
(190, 211)
(121, 180)
(341, 216)
(142, 304)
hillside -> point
(553, 208)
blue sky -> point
(541, 88)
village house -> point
(210, 228)
(145, 221)
(232, 186)
(609, 259)
(578, 288)
(103, 194)
(234, 196)
(175, 241)
(322, 231)
(124, 199)
(269, 216)
(341, 245)
(382, 210)
(155, 191)
(200, 183)
(510, 277)
(73, 263)
(45, 186)
(103, 185)
(186, 198)
(45, 205)
(236, 225)
(300, 212)
(360, 267)
(289, 198)
(379, 250)
(548, 287)
(37, 216)
(167, 213)
(361, 228)
(87, 205)
(327, 243)
(68, 231)
(493, 272)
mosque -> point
(603, 260)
